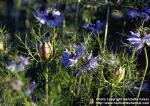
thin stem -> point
(79, 85)
(98, 92)
(134, 51)
(54, 41)
(46, 85)
(146, 67)
(106, 28)
(76, 18)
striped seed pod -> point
(15, 84)
(45, 50)
(119, 75)
(1, 46)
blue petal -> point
(144, 16)
(132, 13)
(96, 27)
(69, 59)
(147, 10)
(147, 38)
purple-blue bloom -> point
(138, 40)
(20, 66)
(50, 18)
(95, 27)
(92, 63)
(144, 16)
(23, 60)
(133, 13)
(72, 55)
(31, 88)
(12, 66)
(141, 13)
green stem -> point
(98, 93)
(46, 86)
(134, 51)
(79, 85)
(146, 67)
(76, 19)
(106, 28)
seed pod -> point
(45, 50)
(119, 75)
(15, 84)
(1, 46)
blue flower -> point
(133, 13)
(12, 66)
(92, 63)
(89, 63)
(20, 66)
(139, 13)
(49, 18)
(139, 40)
(72, 55)
(144, 16)
(96, 27)
(31, 88)
(23, 60)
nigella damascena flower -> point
(50, 18)
(23, 60)
(89, 63)
(92, 62)
(139, 40)
(72, 55)
(31, 88)
(141, 13)
(12, 66)
(95, 27)
(20, 65)
(144, 16)
(132, 13)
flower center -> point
(50, 16)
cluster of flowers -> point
(73, 54)
(76, 52)
(140, 39)
(20, 65)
